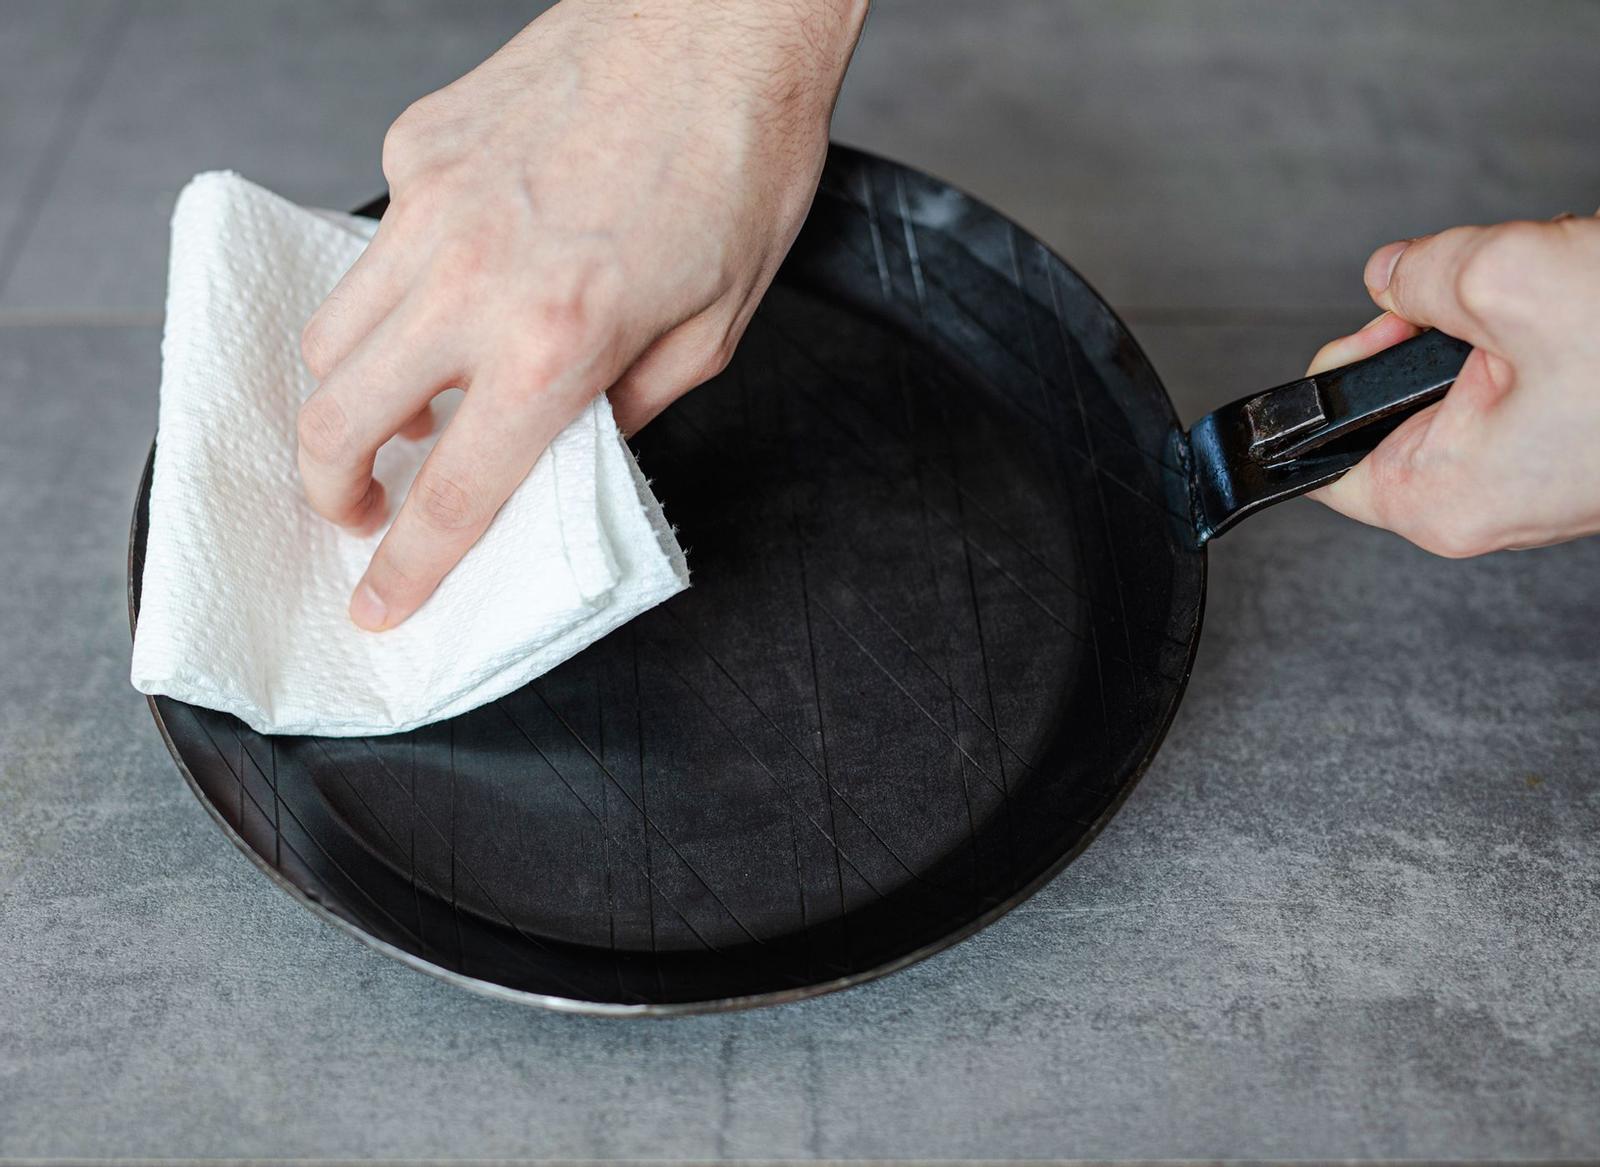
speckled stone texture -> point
(1353, 909)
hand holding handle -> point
(1274, 445)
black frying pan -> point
(949, 550)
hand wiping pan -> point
(950, 544)
(246, 588)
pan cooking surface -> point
(944, 604)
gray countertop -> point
(1353, 910)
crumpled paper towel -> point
(245, 587)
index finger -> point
(481, 458)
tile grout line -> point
(69, 121)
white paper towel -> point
(246, 588)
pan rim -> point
(573, 1005)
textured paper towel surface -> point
(245, 588)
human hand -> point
(599, 206)
(1510, 457)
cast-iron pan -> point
(948, 542)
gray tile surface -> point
(296, 96)
(51, 62)
(1351, 910)
(1236, 153)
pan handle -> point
(1274, 445)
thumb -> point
(1424, 280)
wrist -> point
(821, 33)
(843, 19)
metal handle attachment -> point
(1263, 449)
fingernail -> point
(1380, 268)
(367, 608)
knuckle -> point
(351, 511)
(1500, 273)
(464, 261)
(443, 503)
(715, 361)
(529, 373)
(401, 141)
(566, 334)
(581, 301)
(323, 429)
(1476, 288)
(561, 319)
(1458, 535)
(315, 348)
